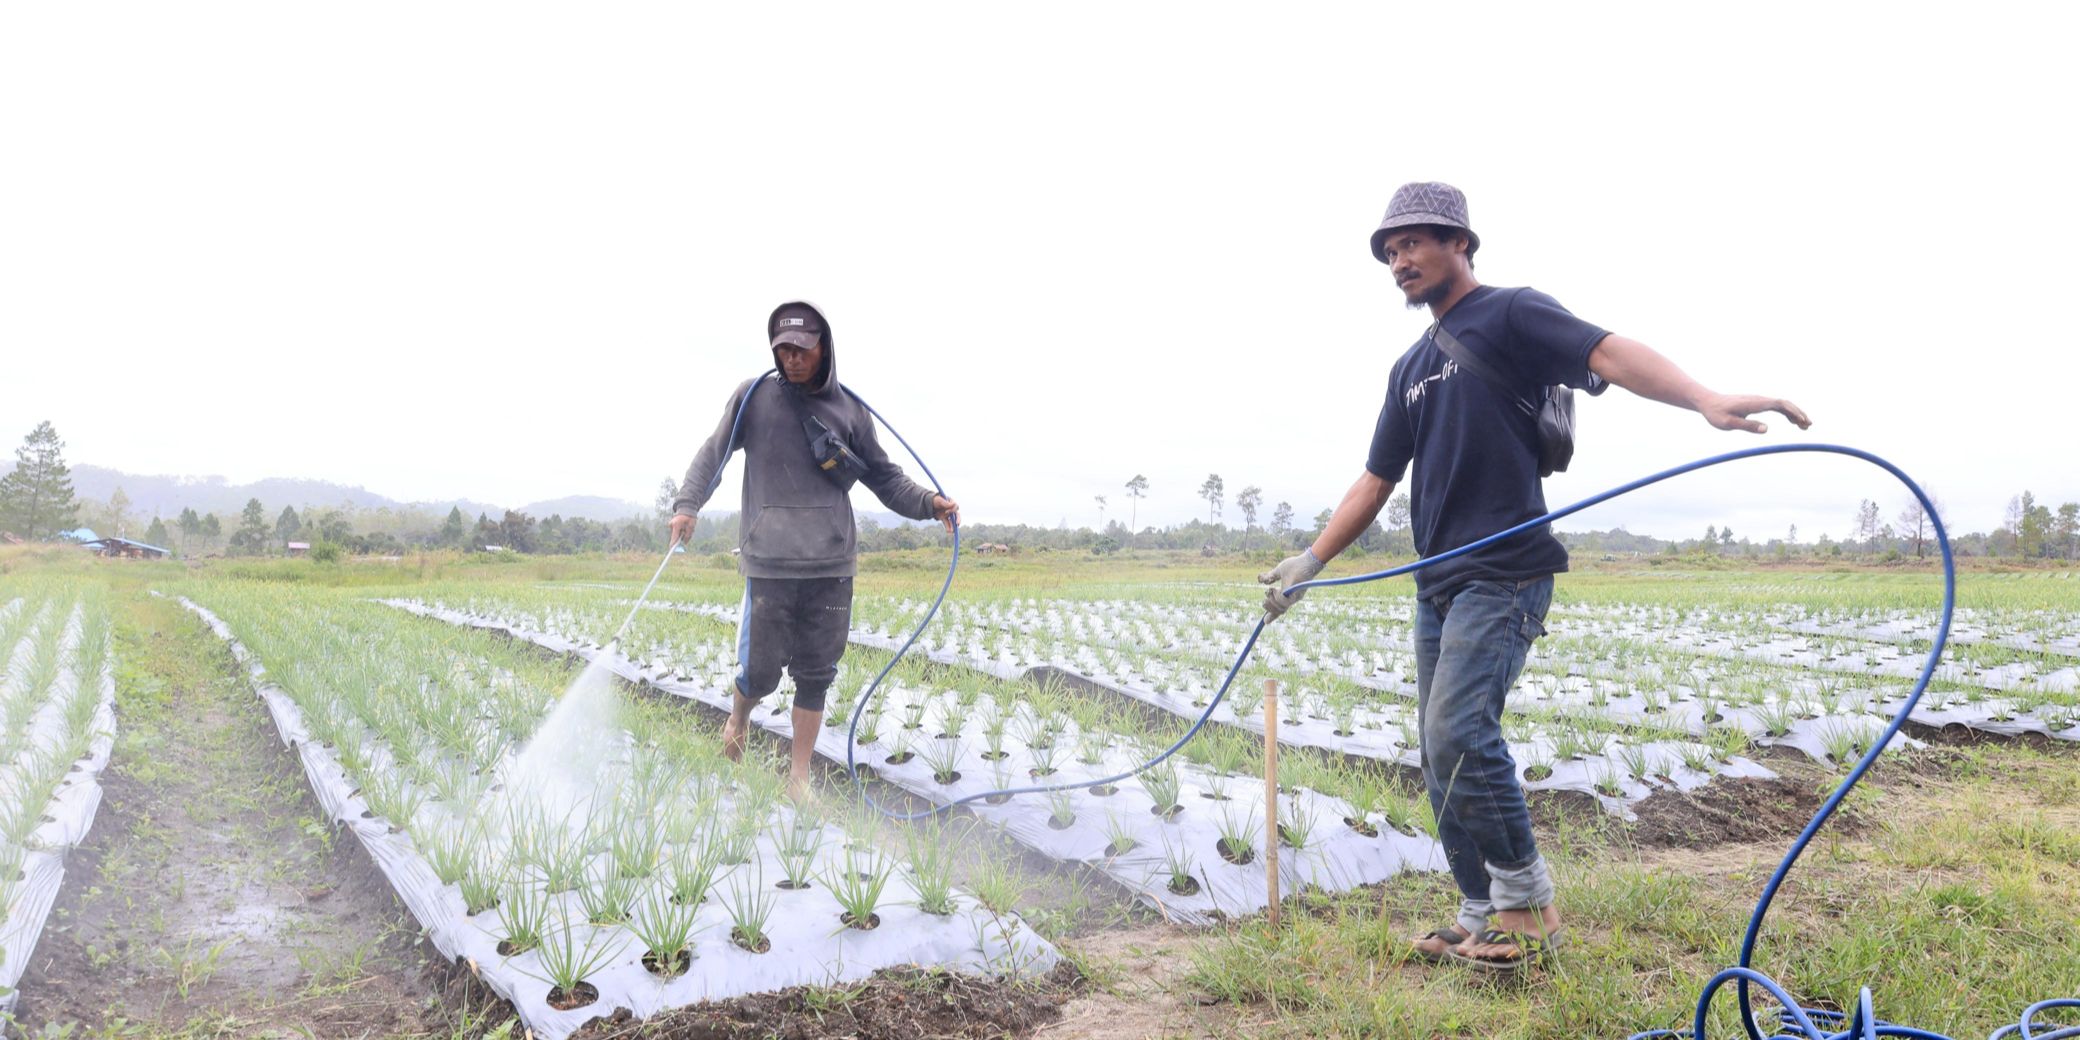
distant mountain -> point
(591, 507)
(166, 496)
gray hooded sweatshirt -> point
(796, 523)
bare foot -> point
(1432, 947)
(1540, 924)
(803, 793)
(733, 739)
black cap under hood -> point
(814, 321)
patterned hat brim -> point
(1473, 241)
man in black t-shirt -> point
(1476, 457)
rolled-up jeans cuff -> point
(1518, 888)
(1473, 915)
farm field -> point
(312, 824)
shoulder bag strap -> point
(1467, 359)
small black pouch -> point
(833, 456)
(1554, 409)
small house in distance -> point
(124, 548)
(299, 548)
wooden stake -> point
(1271, 798)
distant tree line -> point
(37, 503)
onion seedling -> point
(1043, 756)
(694, 870)
(796, 841)
(1163, 786)
(1178, 860)
(451, 848)
(636, 846)
(931, 867)
(524, 912)
(570, 954)
(609, 902)
(1296, 826)
(750, 908)
(1635, 759)
(857, 886)
(480, 888)
(665, 926)
(1608, 782)
(943, 756)
(1061, 812)
(1238, 840)
(1119, 836)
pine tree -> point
(190, 526)
(36, 499)
(286, 526)
(1137, 489)
(1213, 490)
(156, 534)
(455, 528)
(251, 536)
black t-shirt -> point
(1475, 451)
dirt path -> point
(212, 898)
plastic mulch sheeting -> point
(810, 946)
(1333, 855)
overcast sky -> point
(512, 252)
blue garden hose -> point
(1795, 1022)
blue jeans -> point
(1470, 647)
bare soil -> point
(211, 894)
(900, 1004)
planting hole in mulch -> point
(1238, 854)
(791, 885)
(1121, 847)
(509, 948)
(736, 935)
(1212, 796)
(670, 968)
(995, 756)
(997, 799)
(1038, 773)
(1361, 826)
(1060, 824)
(896, 760)
(1537, 773)
(948, 778)
(1167, 814)
(576, 997)
(872, 922)
(1105, 790)
(1184, 886)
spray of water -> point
(561, 767)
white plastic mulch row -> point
(1386, 732)
(26, 902)
(2037, 694)
(1332, 854)
(1807, 721)
(809, 944)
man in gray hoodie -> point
(797, 542)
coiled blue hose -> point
(1795, 1022)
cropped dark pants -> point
(794, 623)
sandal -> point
(1451, 934)
(1530, 947)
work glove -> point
(1290, 571)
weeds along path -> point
(211, 896)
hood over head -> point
(798, 322)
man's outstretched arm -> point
(1359, 506)
(1642, 370)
